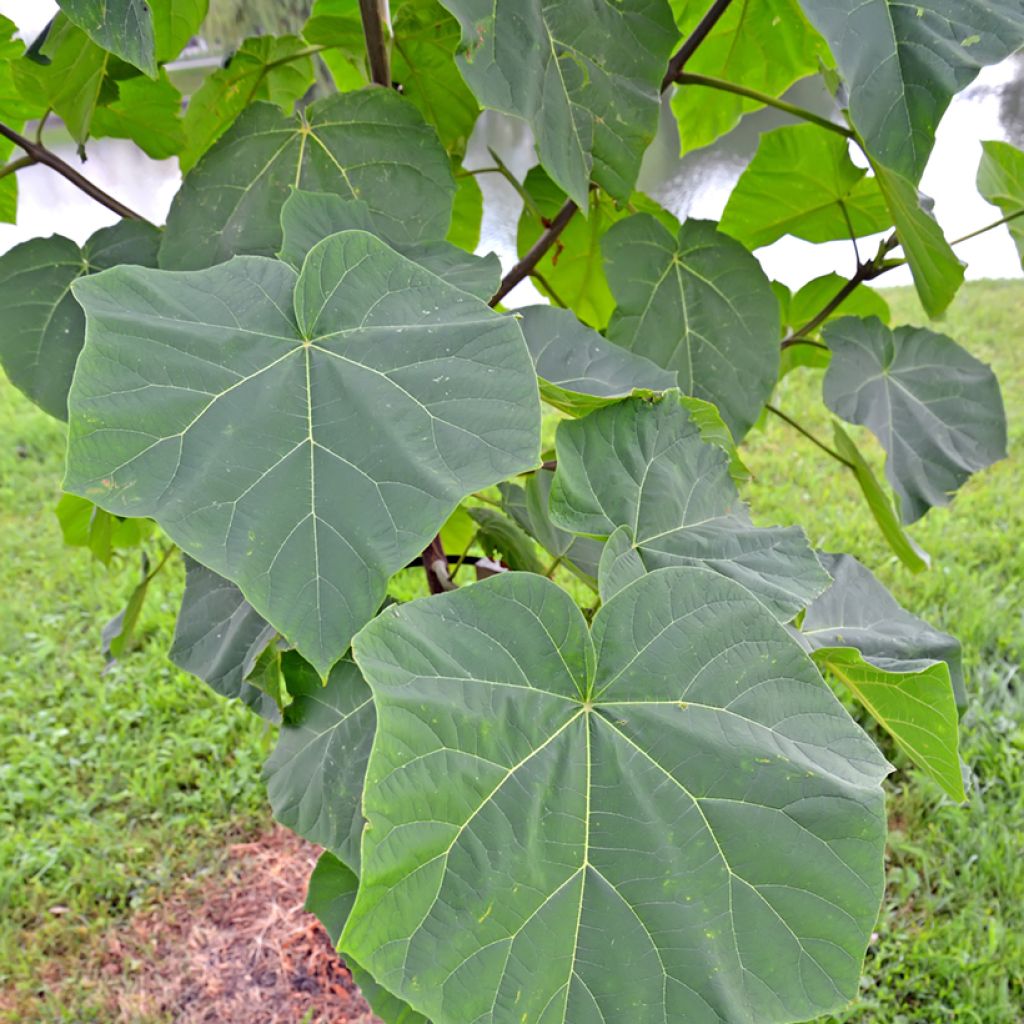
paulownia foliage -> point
(1001, 182)
(298, 433)
(678, 777)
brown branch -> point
(435, 565)
(525, 266)
(41, 155)
(374, 21)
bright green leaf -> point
(175, 22)
(305, 446)
(697, 303)
(124, 27)
(370, 145)
(83, 525)
(1001, 182)
(467, 212)
(667, 818)
(902, 670)
(148, 112)
(815, 295)
(644, 465)
(937, 410)
(802, 182)
(586, 80)
(118, 635)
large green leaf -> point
(905, 673)
(579, 370)
(263, 68)
(880, 503)
(936, 409)
(305, 446)
(903, 62)
(370, 145)
(219, 637)
(124, 27)
(175, 22)
(645, 465)
(315, 774)
(426, 37)
(802, 182)
(147, 111)
(937, 271)
(309, 217)
(697, 303)
(572, 271)
(621, 564)
(586, 80)
(667, 818)
(766, 46)
(44, 325)
(1001, 182)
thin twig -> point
(810, 437)
(1010, 217)
(41, 155)
(374, 20)
(689, 47)
(539, 277)
(16, 165)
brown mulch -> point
(238, 950)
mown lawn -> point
(116, 786)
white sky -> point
(29, 15)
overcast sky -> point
(29, 15)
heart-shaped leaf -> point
(585, 80)
(669, 817)
(645, 465)
(303, 435)
(697, 303)
(904, 672)
(579, 370)
(936, 409)
(44, 327)
(315, 774)
(903, 62)
(370, 145)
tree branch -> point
(525, 266)
(39, 154)
(810, 437)
(374, 20)
(435, 565)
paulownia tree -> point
(608, 782)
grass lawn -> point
(117, 786)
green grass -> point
(117, 786)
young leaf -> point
(880, 504)
(219, 636)
(1001, 182)
(124, 27)
(306, 447)
(905, 673)
(579, 370)
(815, 295)
(621, 564)
(697, 303)
(503, 539)
(903, 62)
(83, 525)
(370, 144)
(937, 271)
(147, 111)
(315, 774)
(675, 791)
(585, 78)
(645, 465)
(309, 217)
(264, 68)
(175, 22)
(467, 212)
(802, 182)
(118, 634)
(767, 46)
(44, 326)
(937, 410)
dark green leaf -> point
(669, 818)
(124, 27)
(309, 217)
(579, 370)
(802, 182)
(645, 465)
(586, 80)
(697, 303)
(901, 669)
(880, 504)
(44, 325)
(765, 46)
(263, 68)
(936, 409)
(219, 636)
(146, 111)
(370, 145)
(903, 62)
(83, 525)
(315, 774)
(1001, 182)
(306, 455)
(621, 564)
(503, 540)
